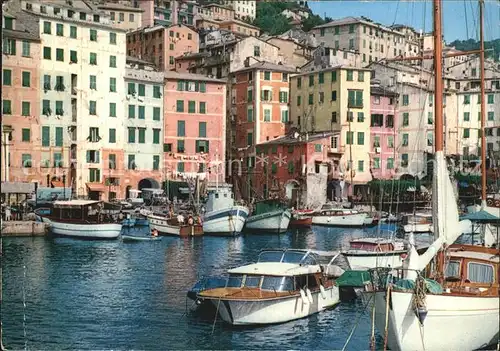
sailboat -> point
(446, 298)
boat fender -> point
(309, 295)
(323, 292)
(303, 296)
(403, 256)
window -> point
(351, 44)
(321, 78)
(156, 113)
(466, 99)
(142, 135)
(6, 107)
(59, 108)
(430, 119)
(131, 135)
(142, 87)
(311, 99)
(46, 107)
(361, 138)
(202, 146)
(192, 106)
(93, 35)
(93, 58)
(390, 163)
(284, 116)
(9, 47)
(361, 117)
(406, 119)
(491, 116)
(7, 77)
(112, 109)
(47, 53)
(112, 85)
(299, 100)
(142, 112)
(249, 139)
(267, 115)
(350, 75)
(47, 27)
(180, 146)
(26, 134)
(361, 76)
(466, 132)
(311, 80)
(267, 75)
(93, 108)
(406, 100)
(73, 56)
(26, 160)
(93, 82)
(355, 98)
(58, 159)
(283, 96)
(112, 38)
(156, 135)
(45, 136)
(121, 17)
(480, 273)
(349, 138)
(430, 139)
(26, 108)
(321, 97)
(404, 160)
(112, 136)
(60, 55)
(171, 60)
(156, 162)
(72, 32)
(112, 161)
(361, 166)
(26, 79)
(202, 107)
(180, 167)
(59, 136)
(26, 49)
(156, 92)
(181, 128)
(334, 117)
(249, 114)
(256, 51)
(491, 99)
(112, 64)
(131, 111)
(284, 77)
(405, 141)
(8, 22)
(466, 116)
(202, 129)
(131, 161)
(299, 82)
(131, 89)
(59, 29)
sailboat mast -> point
(483, 103)
(438, 78)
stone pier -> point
(24, 228)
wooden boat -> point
(368, 253)
(301, 218)
(282, 286)
(269, 216)
(223, 216)
(339, 217)
(446, 298)
(171, 226)
(130, 238)
(79, 218)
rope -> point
(387, 299)
(24, 309)
(419, 298)
(372, 338)
(216, 314)
(357, 322)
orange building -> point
(161, 45)
(194, 126)
(21, 142)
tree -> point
(269, 18)
(311, 22)
(471, 44)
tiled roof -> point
(192, 56)
(301, 139)
(26, 25)
(264, 65)
(119, 7)
(383, 91)
(191, 76)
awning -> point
(481, 216)
(96, 187)
(57, 184)
(17, 188)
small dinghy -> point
(132, 238)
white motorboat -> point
(171, 226)
(269, 216)
(339, 217)
(79, 218)
(367, 253)
(282, 286)
(420, 222)
(222, 216)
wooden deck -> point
(244, 293)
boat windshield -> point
(277, 283)
(293, 257)
(252, 281)
(287, 257)
(270, 256)
(235, 281)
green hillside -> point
(472, 44)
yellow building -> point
(336, 99)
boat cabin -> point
(266, 206)
(79, 211)
(338, 212)
(376, 245)
(219, 199)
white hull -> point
(162, 226)
(452, 322)
(273, 311)
(90, 231)
(348, 220)
(361, 260)
(276, 221)
(228, 221)
(418, 228)
(368, 220)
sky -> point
(460, 17)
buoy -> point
(403, 256)
(323, 292)
(309, 295)
(303, 296)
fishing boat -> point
(171, 226)
(79, 218)
(368, 253)
(269, 216)
(222, 215)
(446, 298)
(301, 218)
(133, 238)
(283, 285)
(339, 217)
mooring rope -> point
(387, 300)
(357, 322)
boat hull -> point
(452, 322)
(164, 228)
(89, 231)
(273, 311)
(366, 260)
(229, 221)
(131, 238)
(418, 228)
(348, 220)
(271, 222)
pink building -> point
(168, 12)
(21, 142)
(383, 132)
(195, 126)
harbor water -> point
(61, 293)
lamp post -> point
(64, 184)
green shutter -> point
(45, 136)
(180, 85)
(180, 106)
(112, 109)
(142, 135)
(156, 136)
(131, 111)
(26, 134)
(142, 112)
(156, 113)
(112, 135)
(203, 107)
(7, 77)
(156, 162)
(131, 135)
(361, 138)
(26, 108)
(192, 106)
(181, 128)
(142, 90)
(26, 81)
(203, 87)
(202, 129)
(59, 136)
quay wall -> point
(24, 228)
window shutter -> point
(97, 157)
(88, 156)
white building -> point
(243, 8)
(82, 88)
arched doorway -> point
(148, 183)
(127, 191)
